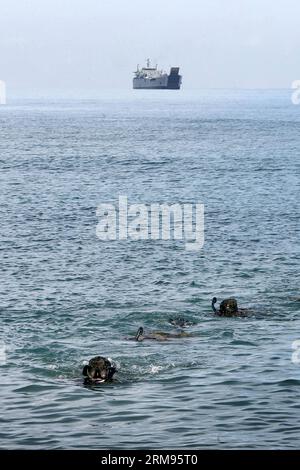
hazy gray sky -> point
(79, 44)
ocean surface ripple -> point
(65, 296)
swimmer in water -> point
(228, 308)
(99, 370)
(157, 335)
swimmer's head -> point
(99, 370)
(228, 307)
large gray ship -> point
(151, 78)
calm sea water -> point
(65, 296)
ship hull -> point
(137, 86)
(158, 83)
